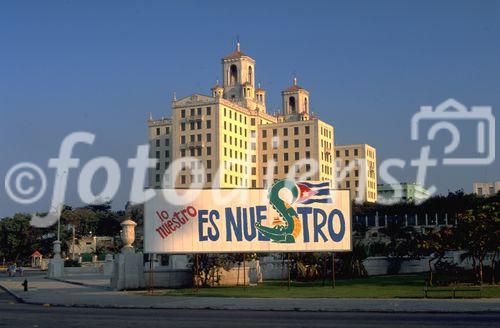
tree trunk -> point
(430, 272)
(73, 242)
(481, 269)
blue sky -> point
(102, 66)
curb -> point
(11, 293)
(77, 283)
(228, 308)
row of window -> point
(296, 143)
(230, 138)
(197, 137)
(158, 130)
(167, 142)
(326, 132)
(346, 152)
(242, 131)
(197, 151)
(307, 129)
(208, 112)
(196, 125)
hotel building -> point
(356, 170)
(238, 144)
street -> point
(13, 314)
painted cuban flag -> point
(314, 192)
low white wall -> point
(273, 268)
(83, 270)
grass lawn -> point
(401, 286)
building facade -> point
(356, 170)
(228, 140)
(486, 188)
(402, 193)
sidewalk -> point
(93, 294)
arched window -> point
(233, 75)
(305, 104)
(291, 104)
(250, 74)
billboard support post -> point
(324, 269)
(244, 272)
(289, 269)
(333, 269)
(196, 271)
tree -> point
(478, 231)
(436, 242)
(403, 244)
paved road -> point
(24, 315)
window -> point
(296, 155)
(291, 104)
(233, 75)
(264, 145)
(275, 132)
(252, 121)
(198, 111)
(167, 142)
(167, 153)
(307, 129)
(264, 158)
(209, 177)
(157, 178)
(356, 173)
(157, 154)
(183, 179)
(355, 152)
(308, 142)
(346, 152)
(183, 126)
(285, 144)
(157, 131)
(192, 111)
(183, 113)
(157, 143)
(285, 157)
(348, 184)
(209, 137)
(264, 133)
(209, 150)
(296, 130)
(209, 110)
(337, 153)
(285, 131)
(296, 143)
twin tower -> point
(238, 86)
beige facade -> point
(356, 170)
(237, 143)
(486, 188)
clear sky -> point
(102, 66)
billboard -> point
(289, 217)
